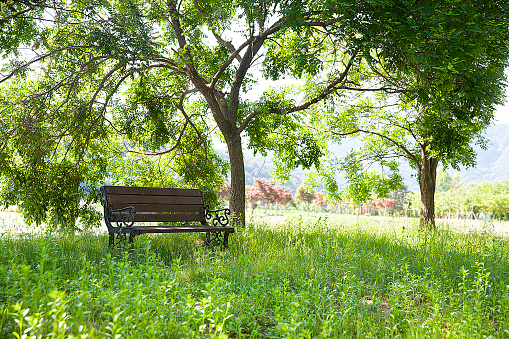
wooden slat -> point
(183, 229)
(140, 208)
(124, 190)
(169, 217)
(160, 200)
(163, 205)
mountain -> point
(492, 163)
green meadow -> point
(303, 278)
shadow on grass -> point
(353, 280)
(318, 250)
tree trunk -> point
(427, 184)
(238, 180)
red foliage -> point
(225, 191)
(254, 193)
(386, 203)
(269, 192)
(319, 199)
(284, 195)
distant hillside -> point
(492, 164)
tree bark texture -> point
(238, 180)
(427, 184)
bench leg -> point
(120, 239)
(213, 239)
(225, 240)
(207, 239)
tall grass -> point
(303, 279)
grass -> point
(307, 278)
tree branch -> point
(226, 45)
(234, 55)
(329, 89)
(44, 56)
(409, 155)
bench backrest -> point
(154, 204)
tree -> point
(454, 193)
(253, 196)
(320, 202)
(17, 25)
(224, 192)
(306, 195)
(443, 180)
(284, 195)
(385, 203)
(262, 190)
(268, 191)
(447, 59)
(153, 71)
(471, 200)
(401, 200)
(501, 205)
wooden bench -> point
(174, 210)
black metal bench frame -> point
(175, 210)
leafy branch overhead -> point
(447, 59)
(89, 83)
(135, 76)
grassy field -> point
(306, 277)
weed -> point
(306, 279)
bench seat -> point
(181, 229)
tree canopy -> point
(88, 81)
(447, 59)
(91, 83)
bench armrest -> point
(123, 217)
(217, 218)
